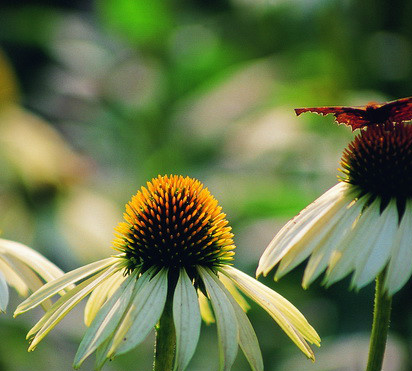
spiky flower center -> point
(175, 223)
(379, 163)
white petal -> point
(30, 279)
(123, 326)
(227, 327)
(43, 267)
(400, 265)
(371, 262)
(100, 294)
(303, 245)
(247, 338)
(282, 311)
(341, 224)
(298, 226)
(53, 287)
(358, 238)
(205, 310)
(143, 314)
(231, 287)
(102, 352)
(12, 278)
(251, 287)
(65, 304)
(186, 316)
(4, 293)
(106, 320)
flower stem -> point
(165, 339)
(380, 326)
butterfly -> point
(358, 117)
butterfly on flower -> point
(358, 117)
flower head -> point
(361, 225)
(174, 224)
(175, 243)
(24, 269)
(378, 162)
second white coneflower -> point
(175, 249)
(362, 225)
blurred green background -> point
(97, 97)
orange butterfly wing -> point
(374, 113)
(399, 110)
(354, 117)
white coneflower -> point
(175, 250)
(361, 225)
(24, 269)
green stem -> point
(165, 339)
(380, 326)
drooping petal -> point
(400, 265)
(37, 262)
(53, 287)
(283, 305)
(234, 292)
(106, 320)
(12, 278)
(143, 314)
(31, 279)
(102, 351)
(362, 234)
(371, 261)
(205, 310)
(65, 304)
(227, 327)
(303, 244)
(299, 226)
(247, 337)
(99, 296)
(282, 311)
(187, 320)
(322, 254)
(4, 293)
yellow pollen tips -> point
(183, 221)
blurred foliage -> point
(98, 97)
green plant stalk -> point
(380, 326)
(165, 339)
